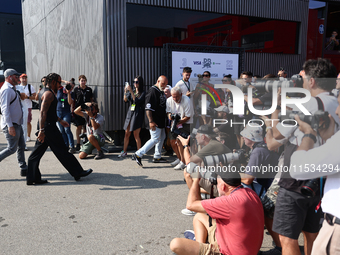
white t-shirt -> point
(28, 102)
(314, 164)
(184, 85)
(184, 108)
(21, 89)
(330, 103)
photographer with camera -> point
(205, 137)
(232, 223)
(65, 98)
(319, 78)
(94, 125)
(327, 241)
(180, 111)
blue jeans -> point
(15, 144)
(66, 131)
(157, 139)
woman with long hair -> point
(135, 116)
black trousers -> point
(55, 141)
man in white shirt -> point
(295, 212)
(11, 120)
(184, 84)
(30, 95)
(320, 162)
(181, 105)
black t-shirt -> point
(82, 95)
(155, 101)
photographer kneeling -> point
(180, 112)
(234, 224)
(205, 137)
(94, 124)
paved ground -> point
(119, 209)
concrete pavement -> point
(120, 208)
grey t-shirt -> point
(89, 129)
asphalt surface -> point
(120, 208)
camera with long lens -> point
(311, 187)
(225, 159)
(319, 119)
(263, 86)
(173, 128)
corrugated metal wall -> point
(89, 37)
(66, 37)
(126, 62)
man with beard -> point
(155, 106)
(50, 136)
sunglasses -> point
(136, 82)
(206, 75)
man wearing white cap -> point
(11, 119)
(261, 159)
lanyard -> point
(188, 87)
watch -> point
(311, 136)
(185, 146)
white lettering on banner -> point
(238, 100)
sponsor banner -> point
(218, 64)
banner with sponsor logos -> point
(218, 64)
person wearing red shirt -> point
(237, 220)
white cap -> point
(253, 132)
(222, 108)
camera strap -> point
(320, 104)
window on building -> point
(150, 26)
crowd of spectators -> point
(219, 200)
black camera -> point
(313, 120)
(85, 107)
(311, 187)
(68, 86)
(173, 128)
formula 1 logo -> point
(206, 63)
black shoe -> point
(83, 135)
(159, 160)
(78, 147)
(100, 155)
(37, 182)
(138, 160)
(23, 172)
(83, 174)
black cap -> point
(230, 178)
(207, 130)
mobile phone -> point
(127, 84)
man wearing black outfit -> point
(82, 94)
(50, 136)
(155, 106)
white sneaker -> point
(175, 163)
(28, 139)
(180, 166)
(188, 212)
(123, 154)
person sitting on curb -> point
(205, 137)
(234, 224)
(94, 124)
